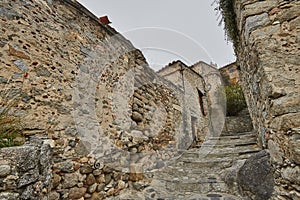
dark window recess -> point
(194, 125)
(200, 95)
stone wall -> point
(268, 55)
(25, 172)
(82, 85)
(238, 124)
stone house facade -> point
(194, 88)
(230, 74)
(216, 98)
(200, 81)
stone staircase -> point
(203, 173)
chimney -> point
(104, 20)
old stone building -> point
(193, 86)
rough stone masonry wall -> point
(25, 172)
(89, 91)
(268, 55)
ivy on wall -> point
(226, 10)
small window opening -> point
(194, 127)
(200, 95)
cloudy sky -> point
(167, 30)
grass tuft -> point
(11, 129)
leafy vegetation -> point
(235, 99)
(11, 131)
(226, 10)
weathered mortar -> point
(268, 55)
(87, 88)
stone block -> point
(70, 180)
(21, 65)
(4, 170)
(9, 13)
(275, 153)
(258, 7)
(54, 196)
(292, 174)
(288, 14)
(254, 22)
(255, 177)
(76, 193)
(28, 178)
(92, 188)
(55, 180)
(90, 180)
(286, 122)
(3, 80)
(137, 116)
(294, 148)
(42, 71)
(66, 167)
(18, 53)
(9, 196)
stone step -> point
(222, 152)
(247, 143)
(190, 176)
(239, 134)
(230, 152)
(236, 136)
(214, 159)
(232, 139)
(195, 186)
(215, 163)
(206, 175)
(213, 196)
(184, 196)
(225, 144)
(197, 173)
(191, 196)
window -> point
(200, 96)
(194, 127)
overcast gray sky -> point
(167, 30)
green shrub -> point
(235, 100)
(11, 130)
